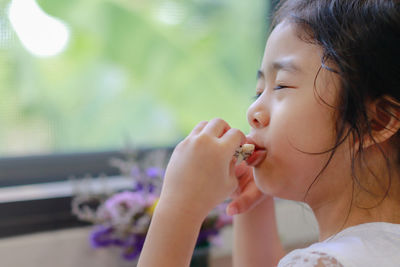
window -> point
(93, 75)
(79, 80)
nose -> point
(258, 115)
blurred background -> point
(89, 75)
(83, 80)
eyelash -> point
(279, 87)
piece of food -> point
(243, 152)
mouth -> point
(259, 154)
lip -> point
(259, 154)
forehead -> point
(284, 48)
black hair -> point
(360, 39)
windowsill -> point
(62, 189)
(28, 209)
(70, 247)
(43, 207)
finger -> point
(242, 173)
(242, 170)
(245, 201)
(235, 137)
(236, 193)
(217, 127)
(232, 169)
(199, 127)
(243, 180)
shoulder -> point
(373, 244)
(306, 258)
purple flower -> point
(204, 235)
(101, 236)
(124, 204)
(133, 246)
(154, 172)
(138, 186)
(151, 188)
(125, 216)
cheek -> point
(308, 128)
(292, 165)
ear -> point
(384, 118)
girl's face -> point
(292, 117)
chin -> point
(274, 186)
(266, 185)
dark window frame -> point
(15, 171)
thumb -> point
(242, 169)
(245, 201)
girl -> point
(325, 125)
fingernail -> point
(232, 210)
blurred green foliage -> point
(143, 70)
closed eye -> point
(279, 87)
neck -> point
(332, 215)
(355, 206)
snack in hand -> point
(244, 152)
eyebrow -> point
(284, 64)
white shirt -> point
(367, 245)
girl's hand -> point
(247, 195)
(201, 171)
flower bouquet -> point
(122, 218)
